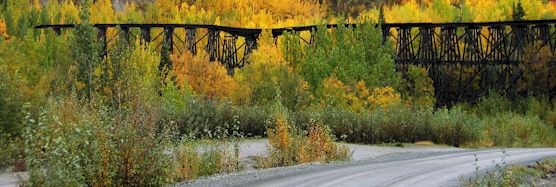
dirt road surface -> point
(384, 166)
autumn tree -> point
(85, 53)
(204, 77)
(351, 54)
(269, 74)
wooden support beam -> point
(145, 34)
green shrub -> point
(511, 130)
(12, 150)
(417, 87)
(404, 124)
(265, 82)
(11, 104)
(202, 118)
(492, 104)
(212, 118)
(455, 127)
(68, 144)
(551, 118)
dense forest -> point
(71, 118)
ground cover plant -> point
(519, 175)
(71, 116)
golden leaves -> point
(384, 97)
(3, 29)
(210, 79)
(357, 98)
(279, 136)
(102, 12)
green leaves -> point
(352, 54)
(86, 54)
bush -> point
(404, 124)
(67, 144)
(338, 95)
(11, 105)
(538, 65)
(511, 130)
(516, 175)
(12, 152)
(263, 84)
(417, 87)
(211, 118)
(395, 123)
(291, 145)
(455, 127)
(86, 54)
(492, 104)
(551, 117)
(319, 145)
(384, 97)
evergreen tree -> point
(381, 18)
(518, 12)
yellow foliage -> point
(269, 74)
(318, 145)
(202, 76)
(384, 97)
(3, 29)
(265, 13)
(449, 10)
(337, 94)
(279, 136)
(69, 12)
(168, 11)
(292, 148)
(102, 12)
(267, 53)
(362, 90)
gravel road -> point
(413, 165)
(416, 167)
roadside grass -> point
(197, 158)
(518, 175)
(69, 144)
